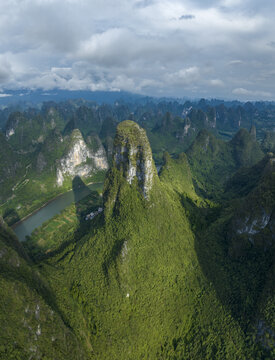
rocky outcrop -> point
(211, 118)
(97, 152)
(12, 124)
(185, 131)
(252, 225)
(80, 159)
(133, 155)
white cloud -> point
(251, 93)
(235, 62)
(173, 47)
(108, 48)
(216, 82)
(232, 3)
(184, 76)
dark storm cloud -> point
(194, 48)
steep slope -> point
(253, 223)
(236, 252)
(268, 143)
(246, 150)
(133, 158)
(31, 325)
(84, 119)
(213, 161)
(138, 276)
(177, 175)
(79, 159)
(245, 179)
(175, 134)
(25, 131)
(11, 166)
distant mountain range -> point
(28, 97)
(36, 97)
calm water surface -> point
(27, 226)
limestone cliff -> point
(12, 124)
(80, 159)
(133, 172)
(133, 155)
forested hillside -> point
(137, 180)
(174, 267)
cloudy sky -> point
(194, 48)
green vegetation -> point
(183, 270)
(63, 228)
(35, 182)
(268, 143)
(27, 200)
(31, 323)
(213, 161)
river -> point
(52, 208)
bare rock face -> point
(133, 155)
(80, 160)
(12, 124)
(97, 153)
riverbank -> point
(46, 212)
(13, 226)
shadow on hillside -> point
(198, 189)
(12, 236)
(86, 201)
(30, 279)
(11, 216)
(237, 282)
(9, 237)
(80, 191)
(86, 209)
